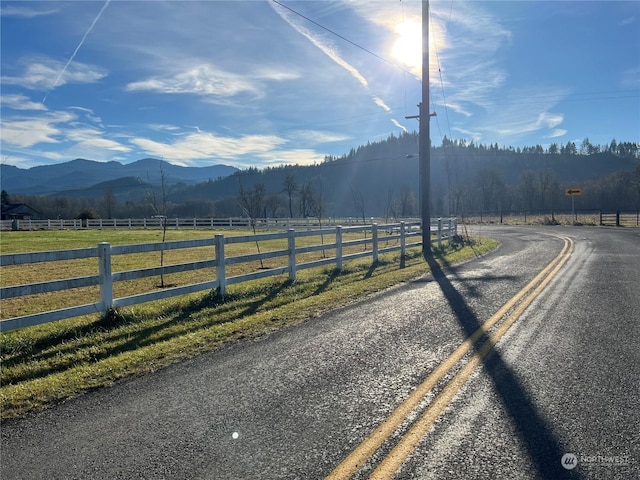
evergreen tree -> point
(5, 200)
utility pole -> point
(425, 147)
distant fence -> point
(581, 216)
(620, 219)
(184, 223)
(401, 233)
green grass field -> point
(51, 362)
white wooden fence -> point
(181, 223)
(402, 233)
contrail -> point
(73, 55)
(328, 50)
(323, 46)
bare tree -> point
(546, 180)
(307, 207)
(528, 189)
(160, 212)
(318, 206)
(407, 202)
(290, 186)
(252, 204)
(390, 209)
(358, 201)
(273, 205)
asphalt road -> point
(562, 380)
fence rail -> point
(184, 223)
(402, 233)
(620, 219)
(578, 216)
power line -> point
(342, 37)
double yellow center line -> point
(393, 461)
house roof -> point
(18, 209)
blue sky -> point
(252, 83)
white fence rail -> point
(402, 233)
(182, 223)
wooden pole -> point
(425, 147)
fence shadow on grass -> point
(69, 347)
(544, 449)
(335, 273)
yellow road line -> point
(356, 459)
(392, 462)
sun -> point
(408, 46)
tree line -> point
(380, 179)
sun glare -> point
(408, 47)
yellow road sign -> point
(573, 192)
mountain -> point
(80, 174)
(377, 179)
(123, 189)
(382, 173)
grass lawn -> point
(48, 363)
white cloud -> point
(316, 137)
(277, 75)
(26, 132)
(89, 114)
(93, 139)
(378, 101)
(524, 124)
(198, 146)
(473, 135)
(549, 120)
(201, 80)
(301, 156)
(208, 81)
(25, 12)
(164, 127)
(21, 102)
(397, 124)
(63, 135)
(558, 132)
(41, 73)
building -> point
(18, 211)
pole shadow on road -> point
(545, 451)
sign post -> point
(573, 192)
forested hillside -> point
(381, 179)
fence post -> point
(403, 245)
(440, 232)
(292, 253)
(617, 218)
(449, 234)
(374, 241)
(106, 281)
(220, 264)
(339, 247)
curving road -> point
(375, 389)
